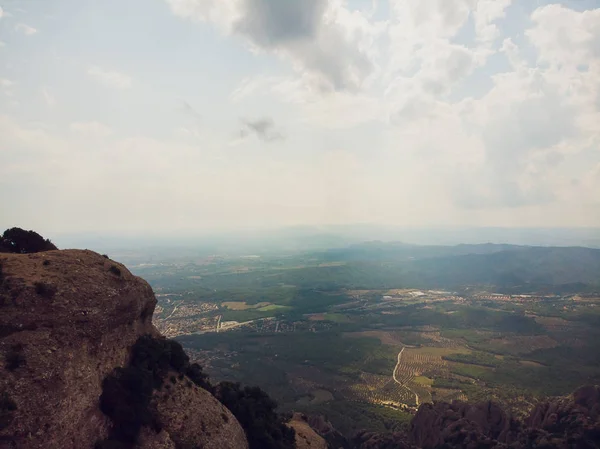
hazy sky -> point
(200, 114)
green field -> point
(273, 307)
(320, 337)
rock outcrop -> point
(571, 422)
(67, 320)
(434, 425)
(373, 440)
(322, 427)
(306, 437)
(194, 418)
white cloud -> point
(486, 13)
(110, 78)
(336, 110)
(511, 50)
(1, 12)
(462, 111)
(564, 36)
(223, 12)
(251, 86)
(6, 86)
(525, 118)
(2, 44)
(511, 147)
(91, 129)
(431, 19)
(443, 65)
(342, 110)
(25, 29)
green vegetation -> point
(282, 295)
(472, 371)
(348, 417)
(327, 351)
(255, 411)
(422, 380)
(471, 336)
(115, 270)
(475, 358)
(337, 318)
(246, 315)
(272, 307)
(17, 240)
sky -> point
(179, 115)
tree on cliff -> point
(256, 412)
(17, 240)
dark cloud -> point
(323, 39)
(263, 128)
(270, 23)
(299, 30)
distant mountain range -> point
(306, 238)
(505, 267)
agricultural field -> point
(241, 305)
(351, 338)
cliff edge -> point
(68, 319)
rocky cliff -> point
(68, 319)
(558, 423)
(306, 436)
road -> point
(400, 383)
(219, 323)
(174, 310)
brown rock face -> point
(152, 440)
(306, 437)
(572, 422)
(567, 422)
(461, 424)
(372, 440)
(195, 419)
(67, 320)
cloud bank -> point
(453, 112)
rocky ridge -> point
(559, 423)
